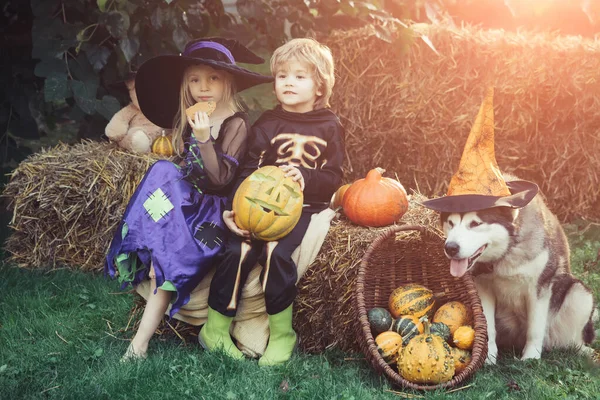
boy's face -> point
(295, 87)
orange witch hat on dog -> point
(478, 183)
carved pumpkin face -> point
(268, 204)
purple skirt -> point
(170, 224)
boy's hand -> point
(230, 223)
(293, 173)
(200, 126)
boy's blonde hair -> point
(319, 59)
(186, 100)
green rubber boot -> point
(215, 335)
(282, 339)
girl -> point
(172, 228)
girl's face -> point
(295, 87)
(205, 83)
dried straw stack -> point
(409, 110)
(67, 202)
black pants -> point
(280, 288)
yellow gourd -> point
(463, 337)
(163, 146)
(389, 345)
(453, 314)
(426, 359)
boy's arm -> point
(323, 182)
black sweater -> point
(313, 142)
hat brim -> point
(522, 192)
(158, 81)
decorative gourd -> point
(453, 314)
(463, 337)
(462, 358)
(407, 326)
(338, 196)
(389, 345)
(268, 204)
(426, 359)
(441, 329)
(375, 200)
(163, 146)
(380, 320)
(411, 299)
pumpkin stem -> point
(375, 174)
(426, 327)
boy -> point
(306, 140)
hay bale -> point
(409, 110)
(67, 202)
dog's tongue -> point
(459, 267)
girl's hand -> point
(293, 173)
(230, 223)
(200, 126)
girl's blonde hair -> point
(317, 56)
(186, 100)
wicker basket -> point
(413, 254)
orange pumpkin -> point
(375, 200)
(268, 204)
(338, 196)
(163, 146)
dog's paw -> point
(492, 355)
(531, 353)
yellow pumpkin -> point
(463, 337)
(389, 345)
(412, 299)
(427, 358)
(338, 196)
(453, 314)
(462, 358)
(268, 204)
(163, 146)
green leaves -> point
(56, 87)
(85, 95)
(129, 46)
(108, 106)
(101, 5)
(116, 23)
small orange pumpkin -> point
(162, 145)
(375, 200)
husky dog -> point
(519, 259)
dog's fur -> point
(520, 262)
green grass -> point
(62, 333)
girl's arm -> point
(221, 168)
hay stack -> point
(409, 110)
(67, 202)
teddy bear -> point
(130, 129)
